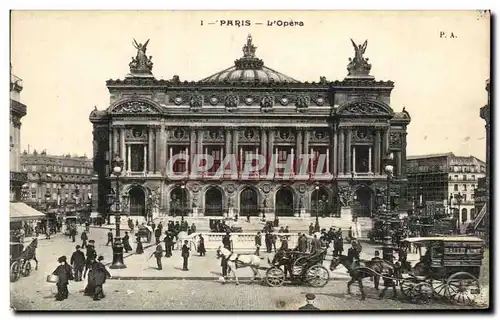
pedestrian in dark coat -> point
(153, 226)
(309, 303)
(157, 235)
(139, 248)
(193, 228)
(258, 243)
(87, 226)
(201, 247)
(311, 229)
(376, 278)
(158, 253)
(91, 255)
(84, 239)
(273, 239)
(126, 243)
(177, 227)
(224, 266)
(315, 244)
(269, 242)
(100, 276)
(302, 243)
(168, 244)
(78, 262)
(64, 274)
(72, 233)
(110, 237)
(160, 226)
(226, 241)
(185, 256)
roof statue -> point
(141, 63)
(359, 66)
(249, 48)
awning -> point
(21, 211)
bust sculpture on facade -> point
(359, 66)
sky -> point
(65, 58)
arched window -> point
(464, 215)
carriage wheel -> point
(275, 277)
(440, 289)
(26, 268)
(422, 293)
(15, 271)
(463, 288)
(317, 276)
(406, 287)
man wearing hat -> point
(309, 303)
(64, 274)
(91, 255)
(185, 256)
(376, 279)
(157, 253)
(78, 262)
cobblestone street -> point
(203, 295)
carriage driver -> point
(353, 254)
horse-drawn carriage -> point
(303, 267)
(448, 269)
(20, 264)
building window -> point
(465, 177)
(455, 187)
(464, 187)
(474, 177)
(65, 169)
(456, 177)
(473, 214)
(33, 194)
(77, 170)
(33, 168)
(464, 215)
(465, 198)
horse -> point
(365, 269)
(235, 261)
(29, 253)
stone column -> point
(370, 159)
(200, 141)
(129, 157)
(145, 169)
(348, 151)
(385, 143)
(112, 132)
(377, 152)
(305, 148)
(122, 143)
(403, 155)
(270, 145)
(192, 147)
(298, 147)
(341, 154)
(150, 150)
(158, 146)
(335, 152)
(235, 141)
(228, 141)
(163, 146)
(398, 164)
(353, 159)
(263, 146)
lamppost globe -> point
(317, 187)
(389, 169)
(117, 170)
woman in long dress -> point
(201, 247)
(139, 249)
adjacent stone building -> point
(17, 111)
(248, 109)
(436, 177)
(57, 182)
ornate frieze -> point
(135, 107)
(301, 103)
(320, 135)
(362, 134)
(178, 134)
(231, 102)
(136, 133)
(284, 135)
(266, 103)
(396, 139)
(195, 102)
(213, 135)
(249, 135)
(363, 108)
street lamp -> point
(117, 165)
(47, 199)
(458, 197)
(183, 187)
(387, 249)
(150, 209)
(316, 226)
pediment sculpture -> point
(231, 101)
(135, 107)
(196, 102)
(359, 66)
(141, 63)
(266, 103)
(363, 108)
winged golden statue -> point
(141, 57)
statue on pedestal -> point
(141, 63)
(359, 66)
